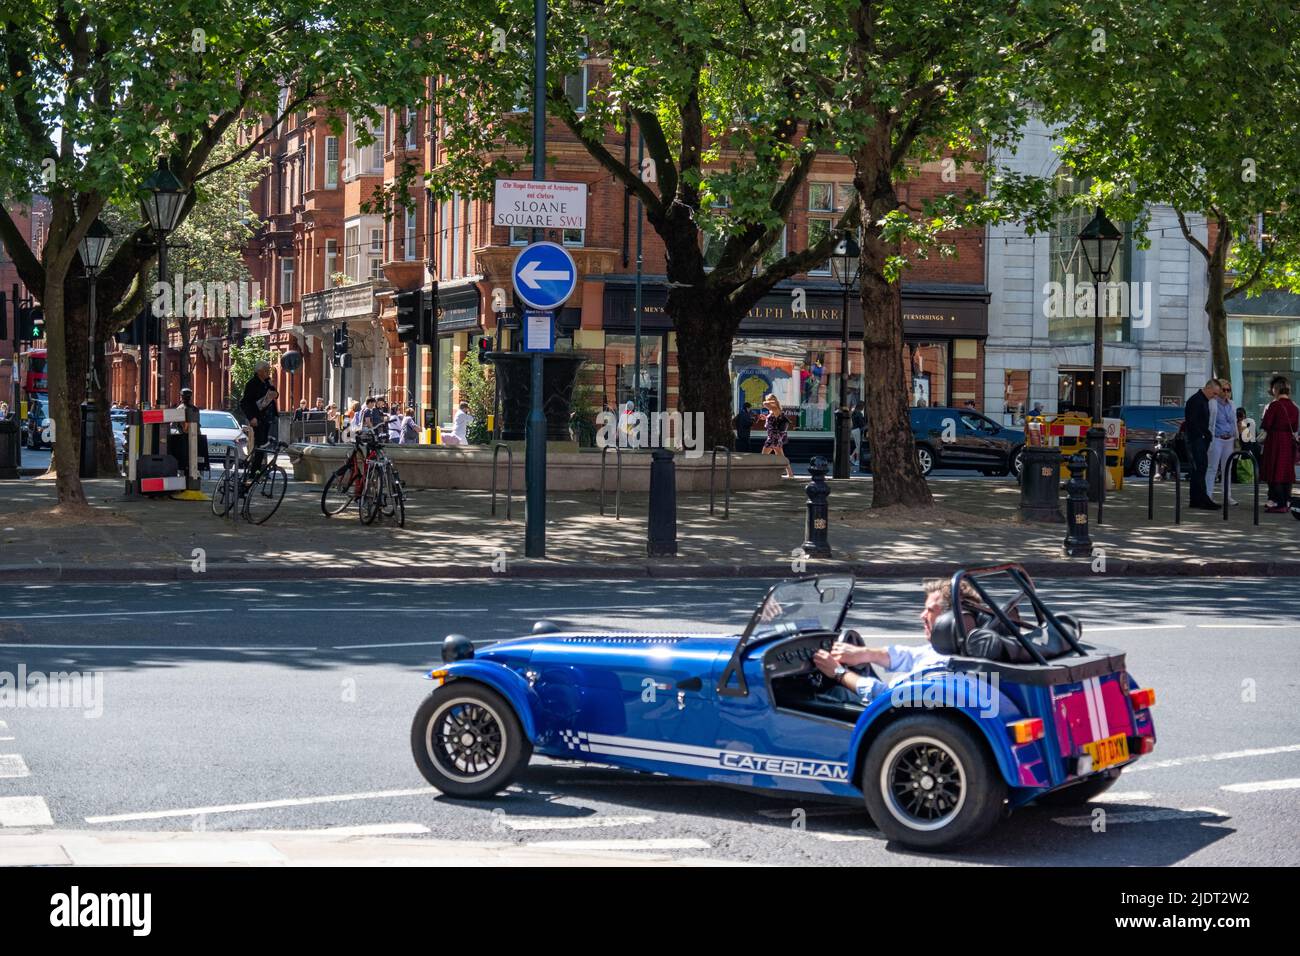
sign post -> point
(544, 275)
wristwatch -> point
(840, 671)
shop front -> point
(1263, 342)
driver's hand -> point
(849, 654)
(825, 663)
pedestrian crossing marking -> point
(13, 765)
(25, 812)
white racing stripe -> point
(263, 805)
(571, 823)
(658, 843)
(1208, 758)
(1145, 816)
(13, 766)
(25, 812)
(1290, 784)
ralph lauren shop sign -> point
(946, 314)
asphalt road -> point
(236, 707)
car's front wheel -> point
(925, 458)
(1142, 467)
(467, 741)
(929, 783)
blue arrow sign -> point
(545, 275)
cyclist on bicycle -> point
(258, 406)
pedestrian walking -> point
(743, 423)
(777, 432)
(858, 423)
(1281, 423)
(1223, 424)
(1196, 423)
(410, 431)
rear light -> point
(1142, 699)
(1141, 745)
(1026, 731)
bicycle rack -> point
(1227, 480)
(1090, 454)
(713, 470)
(1158, 455)
(510, 478)
(618, 480)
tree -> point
(735, 101)
(93, 96)
(1194, 105)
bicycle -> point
(226, 494)
(383, 492)
(264, 491)
(348, 481)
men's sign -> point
(521, 202)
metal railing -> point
(1157, 455)
(1228, 469)
(618, 480)
(1090, 455)
(713, 470)
(497, 448)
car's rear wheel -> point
(930, 784)
(467, 741)
(1090, 789)
(925, 458)
(1142, 467)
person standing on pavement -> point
(1197, 422)
(743, 422)
(1281, 423)
(258, 406)
(859, 425)
(777, 432)
(1223, 425)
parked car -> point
(222, 431)
(959, 438)
(1142, 423)
(937, 760)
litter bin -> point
(1040, 484)
(10, 450)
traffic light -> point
(408, 316)
(484, 347)
(31, 323)
(428, 332)
(340, 343)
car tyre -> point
(467, 740)
(930, 784)
(1090, 789)
(1142, 467)
(925, 458)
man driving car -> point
(902, 660)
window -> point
(818, 229)
(408, 233)
(832, 200)
(1172, 387)
(821, 197)
(389, 226)
(454, 229)
(775, 254)
(331, 261)
(410, 129)
(803, 374)
(364, 160)
(620, 360)
(521, 235)
(376, 267)
(376, 242)
(575, 89)
(444, 237)
(286, 280)
(574, 237)
(1070, 277)
(331, 162)
(352, 252)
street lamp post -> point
(94, 249)
(162, 198)
(1100, 240)
(845, 263)
(535, 446)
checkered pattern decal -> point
(576, 740)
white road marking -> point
(1237, 627)
(1208, 758)
(366, 829)
(12, 765)
(157, 647)
(1291, 784)
(25, 812)
(841, 837)
(658, 843)
(1088, 629)
(1113, 797)
(571, 823)
(263, 805)
(1145, 816)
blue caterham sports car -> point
(1023, 710)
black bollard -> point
(1040, 484)
(816, 543)
(1096, 440)
(662, 526)
(89, 461)
(1077, 542)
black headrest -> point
(943, 635)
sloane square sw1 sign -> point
(521, 202)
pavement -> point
(453, 534)
(270, 724)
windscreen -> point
(813, 604)
(217, 420)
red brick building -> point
(32, 219)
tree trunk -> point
(704, 334)
(1217, 311)
(66, 459)
(184, 323)
(896, 477)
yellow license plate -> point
(1108, 752)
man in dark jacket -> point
(743, 422)
(1196, 423)
(258, 406)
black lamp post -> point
(1100, 240)
(845, 264)
(162, 197)
(94, 250)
